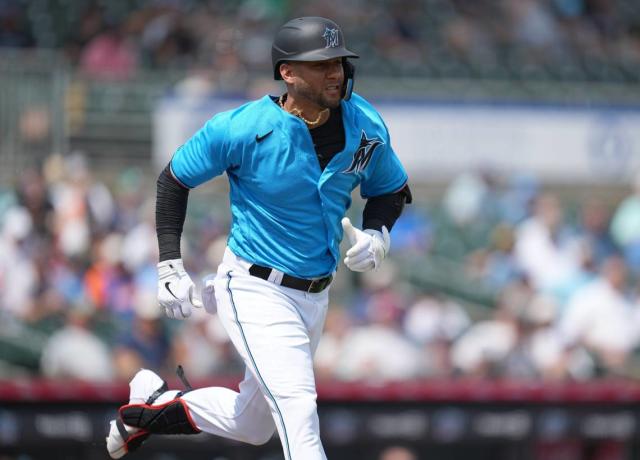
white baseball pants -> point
(276, 330)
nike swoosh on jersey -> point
(166, 285)
(263, 137)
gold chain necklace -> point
(298, 113)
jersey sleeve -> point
(387, 175)
(205, 155)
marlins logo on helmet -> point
(332, 37)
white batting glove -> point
(175, 289)
(368, 247)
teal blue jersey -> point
(285, 210)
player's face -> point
(319, 82)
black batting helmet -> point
(308, 39)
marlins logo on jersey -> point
(332, 38)
(363, 155)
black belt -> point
(301, 284)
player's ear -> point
(286, 72)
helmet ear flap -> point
(349, 77)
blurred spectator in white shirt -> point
(603, 319)
(431, 318)
(378, 350)
(75, 352)
(483, 346)
(545, 253)
(379, 353)
(336, 328)
(82, 204)
(18, 274)
(433, 324)
(538, 351)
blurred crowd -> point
(557, 39)
(78, 284)
(513, 280)
(563, 278)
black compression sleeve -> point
(171, 210)
(385, 209)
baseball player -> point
(292, 162)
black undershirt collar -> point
(328, 138)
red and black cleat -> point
(171, 417)
(136, 422)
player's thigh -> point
(319, 304)
(268, 332)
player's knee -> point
(258, 425)
(260, 436)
